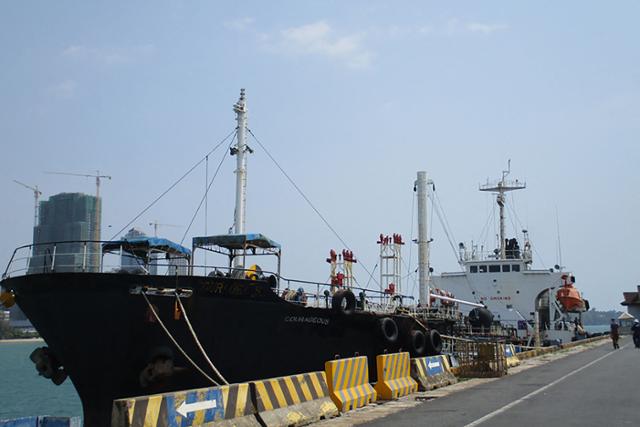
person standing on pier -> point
(615, 335)
(636, 333)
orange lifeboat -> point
(569, 296)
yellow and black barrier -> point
(294, 400)
(511, 356)
(432, 372)
(348, 381)
(394, 376)
(228, 405)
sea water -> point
(24, 393)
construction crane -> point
(97, 176)
(156, 224)
(36, 194)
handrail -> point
(83, 264)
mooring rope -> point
(195, 338)
(153, 310)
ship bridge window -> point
(515, 267)
(473, 269)
(494, 269)
(506, 268)
(482, 268)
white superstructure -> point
(518, 295)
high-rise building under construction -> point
(72, 218)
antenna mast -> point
(36, 195)
(500, 188)
(240, 150)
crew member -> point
(615, 335)
(636, 333)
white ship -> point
(537, 303)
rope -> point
(335, 233)
(195, 338)
(171, 187)
(444, 224)
(153, 310)
(206, 193)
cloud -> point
(476, 27)
(66, 89)
(320, 39)
(240, 24)
(109, 56)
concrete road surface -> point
(596, 387)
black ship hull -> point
(105, 336)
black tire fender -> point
(417, 343)
(344, 301)
(434, 343)
(388, 329)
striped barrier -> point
(432, 372)
(42, 421)
(217, 406)
(394, 376)
(294, 400)
(348, 381)
(510, 354)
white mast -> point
(240, 150)
(423, 239)
(500, 188)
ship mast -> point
(239, 151)
(423, 239)
(500, 188)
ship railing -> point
(322, 295)
(521, 255)
(87, 256)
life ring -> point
(388, 329)
(434, 343)
(417, 343)
(344, 301)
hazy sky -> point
(352, 98)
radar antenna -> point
(500, 188)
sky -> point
(351, 98)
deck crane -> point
(36, 194)
(97, 176)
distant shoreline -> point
(15, 340)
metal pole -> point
(240, 109)
(503, 249)
(84, 257)
(423, 239)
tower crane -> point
(156, 224)
(36, 194)
(97, 176)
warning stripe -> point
(232, 401)
(348, 382)
(394, 373)
(290, 390)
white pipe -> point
(423, 239)
(461, 301)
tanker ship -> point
(137, 331)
